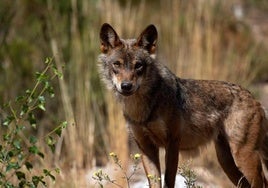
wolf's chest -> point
(137, 110)
(157, 132)
(152, 132)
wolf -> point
(163, 110)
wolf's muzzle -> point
(126, 86)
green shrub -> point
(20, 154)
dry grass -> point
(197, 39)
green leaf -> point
(41, 99)
(19, 128)
(64, 124)
(6, 105)
(6, 137)
(41, 77)
(22, 183)
(48, 173)
(1, 175)
(41, 155)
(17, 144)
(20, 98)
(57, 73)
(32, 120)
(21, 156)
(49, 89)
(10, 154)
(33, 149)
(42, 107)
(20, 175)
(58, 131)
(38, 179)
(8, 185)
(32, 139)
(52, 147)
(8, 120)
(12, 165)
(47, 84)
(48, 60)
(28, 165)
(28, 93)
(38, 75)
(52, 177)
(51, 143)
(49, 140)
(57, 170)
(24, 109)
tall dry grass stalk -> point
(195, 41)
(76, 101)
(70, 132)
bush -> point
(20, 154)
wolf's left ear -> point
(109, 38)
(147, 39)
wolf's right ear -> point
(109, 38)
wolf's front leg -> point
(150, 157)
(151, 165)
(172, 158)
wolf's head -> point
(125, 64)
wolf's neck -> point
(138, 108)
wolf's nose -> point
(126, 86)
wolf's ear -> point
(148, 38)
(109, 38)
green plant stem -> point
(132, 174)
(14, 129)
(10, 129)
(34, 106)
(38, 82)
(54, 130)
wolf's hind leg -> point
(250, 165)
(227, 163)
(265, 171)
(264, 157)
(247, 158)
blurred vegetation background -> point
(202, 39)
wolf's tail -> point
(264, 149)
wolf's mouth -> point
(127, 93)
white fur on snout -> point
(117, 83)
(153, 56)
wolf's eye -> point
(138, 66)
(116, 64)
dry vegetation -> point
(197, 39)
